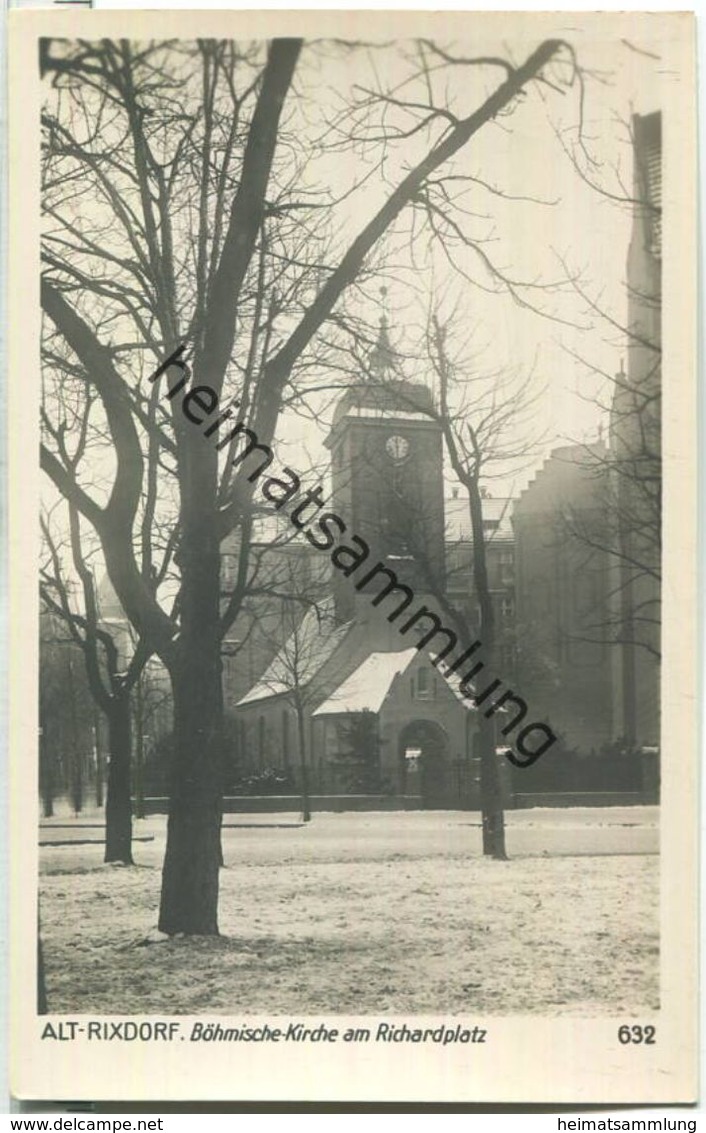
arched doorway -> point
(423, 748)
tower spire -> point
(382, 356)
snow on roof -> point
(497, 516)
(366, 688)
(301, 657)
(454, 681)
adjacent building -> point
(563, 563)
(636, 472)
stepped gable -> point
(568, 470)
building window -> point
(507, 567)
(425, 684)
(507, 608)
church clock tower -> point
(387, 477)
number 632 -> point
(636, 1034)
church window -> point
(425, 689)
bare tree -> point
(488, 428)
(302, 636)
(109, 682)
(151, 703)
(64, 736)
(205, 229)
(290, 673)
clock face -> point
(397, 447)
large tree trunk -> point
(306, 798)
(493, 816)
(193, 857)
(75, 756)
(139, 775)
(118, 804)
(100, 768)
(46, 769)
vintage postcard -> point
(353, 572)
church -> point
(334, 691)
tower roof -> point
(383, 390)
(396, 398)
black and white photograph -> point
(356, 720)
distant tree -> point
(150, 704)
(488, 424)
(304, 632)
(109, 683)
(360, 751)
(65, 738)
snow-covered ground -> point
(358, 913)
